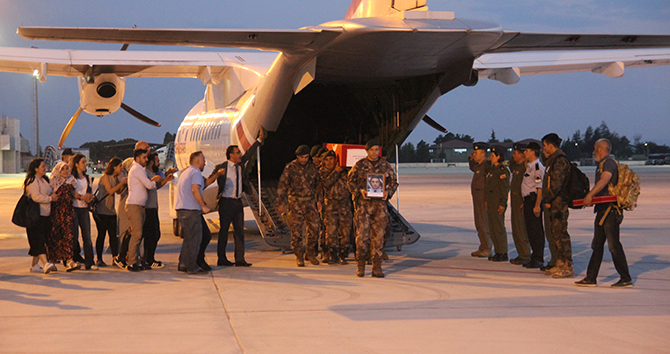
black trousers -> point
(106, 225)
(206, 238)
(608, 231)
(151, 231)
(534, 228)
(231, 211)
(37, 236)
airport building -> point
(12, 146)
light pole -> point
(36, 76)
(646, 145)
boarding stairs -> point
(276, 232)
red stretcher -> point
(596, 200)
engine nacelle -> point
(103, 96)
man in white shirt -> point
(531, 190)
(138, 184)
(190, 206)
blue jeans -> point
(83, 221)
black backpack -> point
(576, 185)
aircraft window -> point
(218, 130)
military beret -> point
(302, 150)
(327, 153)
(371, 143)
(533, 146)
(314, 151)
(553, 139)
(67, 152)
(480, 146)
(520, 146)
(321, 151)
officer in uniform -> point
(517, 167)
(531, 189)
(479, 166)
(558, 169)
(297, 184)
(497, 188)
(336, 208)
(370, 213)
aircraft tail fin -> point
(377, 8)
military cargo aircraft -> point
(373, 74)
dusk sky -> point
(637, 103)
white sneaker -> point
(48, 267)
(36, 269)
(93, 267)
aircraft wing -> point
(275, 40)
(508, 67)
(73, 63)
(520, 42)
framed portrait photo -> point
(375, 185)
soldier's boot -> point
(343, 258)
(558, 268)
(311, 257)
(385, 256)
(333, 253)
(377, 267)
(566, 272)
(325, 255)
(299, 258)
(360, 269)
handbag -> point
(27, 212)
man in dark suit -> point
(233, 181)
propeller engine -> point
(101, 95)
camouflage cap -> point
(302, 150)
(371, 143)
(480, 146)
(520, 147)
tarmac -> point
(435, 298)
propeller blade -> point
(139, 115)
(435, 125)
(68, 127)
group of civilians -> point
(66, 198)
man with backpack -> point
(608, 219)
(556, 204)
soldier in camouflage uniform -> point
(297, 184)
(370, 213)
(497, 188)
(336, 208)
(558, 169)
(517, 167)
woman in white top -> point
(82, 220)
(36, 186)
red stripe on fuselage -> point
(241, 137)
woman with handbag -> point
(60, 242)
(36, 186)
(104, 212)
(82, 220)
